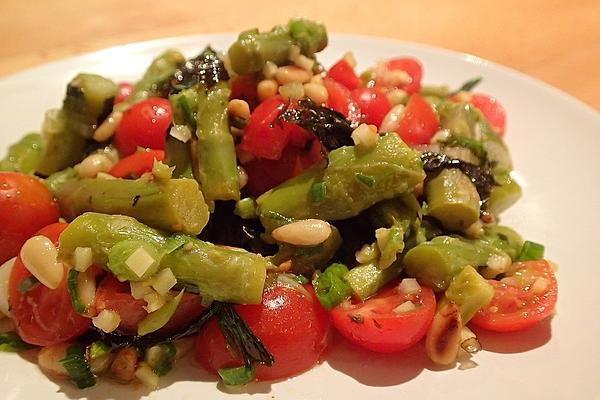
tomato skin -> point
(136, 164)
(145, 125)
(492, 110)
(43, 316)
(115, 295)
(293, 327)
(340, 99)
(263, 137)
(125, 90)
(373, 103)
(26, 206)
(373, 325)
(244, 87)
(343, 73)
(516, 307)
(419, 123)
(412, 67)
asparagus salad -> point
(243, 205)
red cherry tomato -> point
(44, 316)
(419, 122)
(374, 325)
(291, 324)
(412, 67)
(244, 87)
(125, 90)
(343, 73)
(373, 103)
(518, 304)
(492, 110)
(26, 205)
(135, 165)
(144, 125)
(114, 295)
(263, 137)
(340, 99)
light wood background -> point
(555, 41)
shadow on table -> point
(515, 342)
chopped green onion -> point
(318, 192)
(365, 179)
(12, 343)
(98, 349)
(531, 251)
(159, 318)
(245, 208)
(236, 376)
(174, 242)
(160, 357)
(78, 306)
(27, 283)
(467, 86)
(330, 287)
(77, 367)
(187, 111)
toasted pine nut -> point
(365, 136)
(468, 341)
(49, 360)
(391, 121)
(269, 69)
(444, 336)
(316, 92)
(239, 108)
(93, 164)
(124, 365)
(106, 130)
(307, 232)
(39, 257)
(266, 88)
(304, 62)
(291, 73)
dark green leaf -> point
(236, 376)
(467, 86)
(78, 306)
(330, 287)
(77, 367)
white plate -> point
(554, 141)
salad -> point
(243, 205)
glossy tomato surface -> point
(342, 72)
(125, 89)
(374, 325)
(520, 301)
(291, 324)
(135, 165)
(43, 316)
(492, 110)
(412, 67)
(373, 104)
(26, 205)
(419, 123)
(340, 99)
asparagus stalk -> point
(217, 170)
(171, 205)
(157, 78)
(24, 155)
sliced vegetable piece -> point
(77, 367)
(24, 155)
(159, 318)
(330, 287)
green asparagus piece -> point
(171, 205)
(178, 154)
(217, 170)
(120, 253)
(185, 106)
(503, 238)
(330, 287)
(403, 211)
(393, 244)
(219, 273)
(57, 179)
(159, 318)
(156, 79)
(470, 292)
(24, 155)
(394, 167)
(504, 195)
(436, 262)
(253, 49)
(453, 199)
(366, 280)
(459, 118)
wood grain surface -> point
(555, 41)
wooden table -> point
(555, 41)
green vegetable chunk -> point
(97, 349)
(330, 287)
(436, 262)
(11, 342)
(159, 318)
(366, 280)
(78, 306)
(119, 256)
(171, 205)
(452, 199)
(77, 367)
(236, 376)
(470, 292)
(24, 155)
(394, 167)
(504, 195)
(531, 251)
(503, 238)
(157, 78)
(160, 357)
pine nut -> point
(365, 136)
(124, 365)
(396, 77)
(396, 96)
(304, 62)
(391, 121)
(307, 232)
(316, 79)
(316, 92)
(107, 128)
(291, 73)
(49, 360)
(269, 69)
(39, 257)
(291, 91)
(444, 336)
(5, 271)
(239, 108)
(107, 320)
(266, 88)
(93, 164)
(83, 258)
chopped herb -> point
(318, 192)
(236, 376)
(330, 287)
(467, 86)
(365, 179)
(78, 306)
(77, 367)
(12, 343)
(187, 111)
(97, 349)
(531, 251)
(27, 284)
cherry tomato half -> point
(145, 125)
(419, 123)
(373, 103)
(125, 90)
(412, 67)
(26, 205)
(291, 324)
(374, 325)
(44, 316)
(340, 99)
(492, 110)
(343, 73)
(263, 137)
(244, 87)
(520, 301)
(135, 165)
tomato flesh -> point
(135, 165)
(412, 67)
(44, 316)
(340, 99)
(419, 123)
(374, 325)
(492, 110)
(143, 125)
(263, 136)
(373, 103)
(291, 325)
(125, 90)
(26, 205)
(342, 72)
(516, 305)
